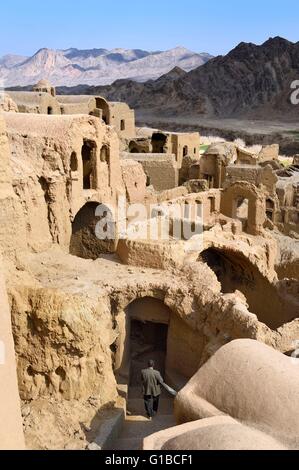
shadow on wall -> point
(235, 272)
(84, 242)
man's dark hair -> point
(151, 363)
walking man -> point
(151, 383)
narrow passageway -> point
(137, 426)
(148, 341)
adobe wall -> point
(182, 340)
(11, 428)
(12, 221)
(48, 191)
(269, 152)
(7, 104)
(76, 104)
(134, 180)
(160, 169)
(123, 120)
(256, 205)
(82, 327)
(36, 103)
(249, 173)
(185, 144)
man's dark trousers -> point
(151, 405)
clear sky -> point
(214, 26)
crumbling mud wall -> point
(11, 431)
(7, 104)
(63, 345)
(47, 165)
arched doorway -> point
(102, 104)
(88, 158)
(241, 211)
(149, 329)
(84, 241)
(143, 336)
(105, 158)
(159, 141)
(149, 320)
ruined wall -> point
(123, 119)
(134, 180)
(249, 173)
(12, 222)
(36, 103)
(48, 188)
(185, 145)
(269, 152)
(62, 344)
(11, 431)
(256, 216)
(138, 145)
(244, 157)
(160, 169)
(76, 104)
(7, 104)
(212, 168)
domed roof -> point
(43, 84)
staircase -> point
(137, 426)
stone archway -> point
(102, 104)
(150, 329)
(159, 142)
(149, 322)
(235, 272)
(143, 335)
(85, 241)
(255, 206)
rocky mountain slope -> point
(252, 81)
(96, 66)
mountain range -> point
(252, 81)
(95, 66)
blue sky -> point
(214, 26)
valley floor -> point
(252, 131)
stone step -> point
(140, 427)
(127, 444)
